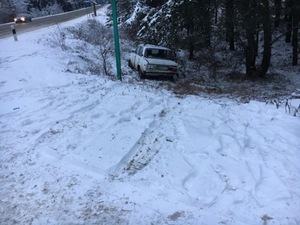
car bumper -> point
(157, 74)
(165, 72)
(20, 21)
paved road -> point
(37, 23)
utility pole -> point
(116, 38)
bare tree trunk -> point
(289, 19)
(265, 9)
(248, 9)
(230, 23)
(216, 11)
(295, 37)
(206, 10)
(277, 13)
(250, 53)
(190, 33)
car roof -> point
(155, 46)
(23, 14)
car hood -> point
(164, 62)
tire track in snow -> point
(138, 156)
(143, 150)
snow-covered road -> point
(81, 149)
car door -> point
(138, 55)
(133, 57)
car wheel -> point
(129, 64)
(141, 74)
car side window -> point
(140, 51)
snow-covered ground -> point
(83, 149)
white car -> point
(23, 18)
(153, 60)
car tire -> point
(130, 64)
(141, 74)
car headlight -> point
(23, 18)
(15, 19)
(173, 68)
(151, 66)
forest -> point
(247, 27)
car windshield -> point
(159, 53)
(23, 15)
